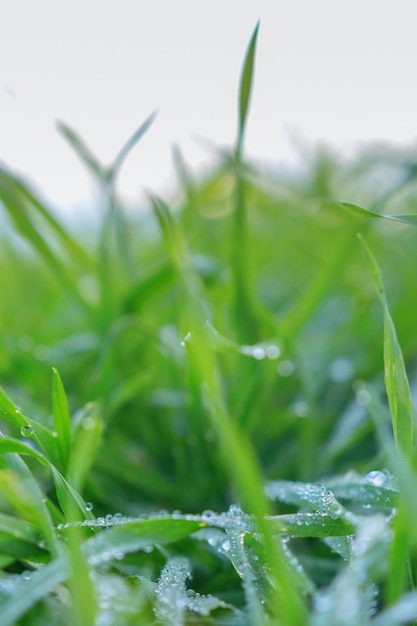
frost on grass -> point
(173, 599)
(352, 597)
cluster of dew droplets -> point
(245, 566)
(311, 497)
(351, 598)
(377, 488)
(262, 351)
(173, 599)
(171, 592)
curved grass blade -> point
(129, 145)
(13, 416)
(396, 381)
(67, 496)
(410, 218)
(24, 495)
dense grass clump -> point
(205, 411)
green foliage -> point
(229, 436)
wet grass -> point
(206, 409)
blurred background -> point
(336, 72)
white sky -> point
(339, 71)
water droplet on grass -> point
(88, 423)
(89, 507)
(273, 351)
(258, 353)
(363, 397)
(341, 370)
(301, 409)
(26, 431)
(226, 545)
(285, 368)
(376, 478)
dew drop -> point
(273, 351)
(258, 353)
(226, 545)
(26, 431)
(88, 423)
(285, 368)
(376, 478)
(89, 507)
(301, 409)
(363, 397)
(341, 370)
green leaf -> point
(246, 86)
(396, 381)
(62, 419)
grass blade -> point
(62, 420)
(29, 591)
(246, 87)
(82, 150)
(396, 381)
(134, 536)
(129, 145)
(410, 218)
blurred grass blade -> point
(84, 153)
(402, 612)
(246, 87)
(129, 145)
(18, 528)
(396, 381)
(85, 445)
(19, 215)
(62, 420)
(236, 450)
(74, 249)
(29, 590)
(410, 218)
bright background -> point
(334, 71)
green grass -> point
(206, 409)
